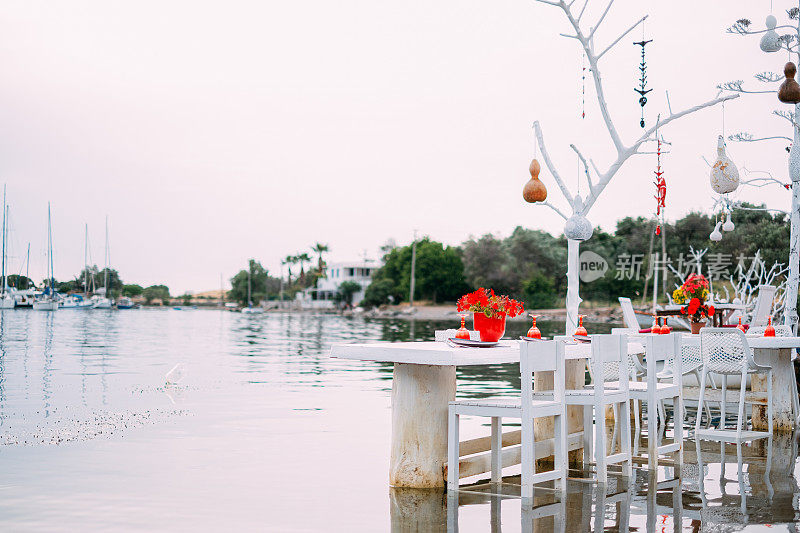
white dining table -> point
(423, 382)
(775, 352)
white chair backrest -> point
(628, 314)
(441, 335)
(541, 356)
(725, 350)
(665, 348)
(763, 307)
(609, 351)
(780, 331)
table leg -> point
(420, 394)
(782, 373)
(575, 378)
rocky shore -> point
(448, 312)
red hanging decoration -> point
(661, 190)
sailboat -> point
(76, 301)
(250, 310)
(7, 301)
(100, 300)
(47, 301)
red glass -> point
(770, 330)
(491, 329)
(462, 333)
(581, 330)
(534, 332)
(665, 329)
(740, 326)
(655, 329)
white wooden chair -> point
(725, 351)
(544, 356)
(655, 389)
(594, 399)
(629, 315)
(763, 305)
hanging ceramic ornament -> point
(534, 190)
(789, 91)
(578, 227)
(716, 235)
(728, 225)
(642, 89)
(724, 174)
(771, 41)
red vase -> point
(490, 329)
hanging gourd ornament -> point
(789, 91)
(724, 174)
(534, 190)
(716, 235)
(771, 41)
(578, 227)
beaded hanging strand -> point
(661, 187)
(583, 85)
(642, 90)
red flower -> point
(710, 310)
(694, 304)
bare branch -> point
(740, 26)
(788, 115)
(600, 20)
(580, 15)
(585, 167)
(569, 36)
(549, 163)
(618, 39)
(554, 208)
(736, 86)
(745, 137)
(549, 2)
(768, 77)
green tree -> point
(186, 299)
(439, 272)
(262, 285)
(380, 292)
(19, 282)
(302, 258)
(132, 291)
(346, 291)
(539, 292)
(156, 292)
(319, 249)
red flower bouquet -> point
(489, 312)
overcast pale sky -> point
(210, 132)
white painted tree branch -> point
(618, 39)
(600, 20)
(538, 131)
(585, 167)
(554, 208)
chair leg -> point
(652, 432)
(452, 511)
(724, 404)
(497, 449)
(677, 403)
(600, 444)
(588, 417)
(700, 402)
(560, 450)
(528, 459)
(452, 449)
(662, 413)
(699, 410)
(637, 425)
(625, 444)
(616, 437)
(770, 408)
(741, 419)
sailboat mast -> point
(50, 250)
(105, 279)
(86, 260)
(4, 241)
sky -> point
(212, 132)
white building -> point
(323, 296)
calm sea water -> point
(266, 432)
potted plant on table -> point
(489, 312)
(693, 293)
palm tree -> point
(320, 248)
(289, 261)
(302, 259)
